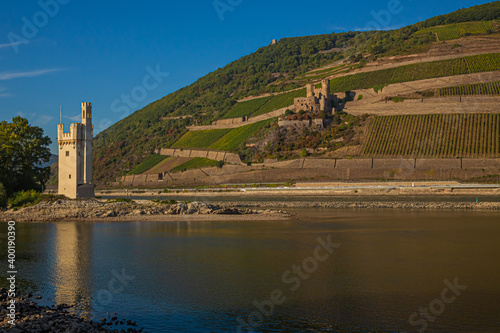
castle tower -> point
(87, 143)
(310, 89)
(325, 88)
(75, 157)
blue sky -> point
(123, 55)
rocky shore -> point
(368, 204)
(31, 317)
(102, 210)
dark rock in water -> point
(33, 318)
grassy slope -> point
(124, 144)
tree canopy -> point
(23, 148)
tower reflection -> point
(73, 265)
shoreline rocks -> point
(31, 317)
(94, 209)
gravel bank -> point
(368, 204)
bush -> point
(165, 202)
(24, 199)
(119, 200)
(52, 197)
(303, 153)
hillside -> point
(376, 58)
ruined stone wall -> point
(303, 123)
(231, 121)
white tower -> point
(75, 157)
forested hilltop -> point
(272, 68)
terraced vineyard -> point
(200, 139)
(280, 101)
(246, 108)
(454, 31)
(220, 139)
(264, 105)
(434, 135)
(486, 88)
(147, 164)
(238, 136)
(467, 65)
(321, 74)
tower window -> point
(69, 176)
(67, 153)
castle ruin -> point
(318, 100)
(75, 157)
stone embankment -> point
(31, 317)
(96, 210)
(369, 204)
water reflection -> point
(192, 276)
(73, 266)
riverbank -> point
(31, 317)
(424, 189)
(367, 205)
(95, 210)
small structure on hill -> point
(75, 157)
(274, 42)
(318, 100)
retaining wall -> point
(394, 163)
(213, 155)
(239, 122)
(441, 163)
(326, 170)
(354, 164)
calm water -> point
(207, 277)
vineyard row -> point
(434, 135)
(459, 66)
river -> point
(328, 271)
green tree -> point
(3, 196)
(22, 149)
